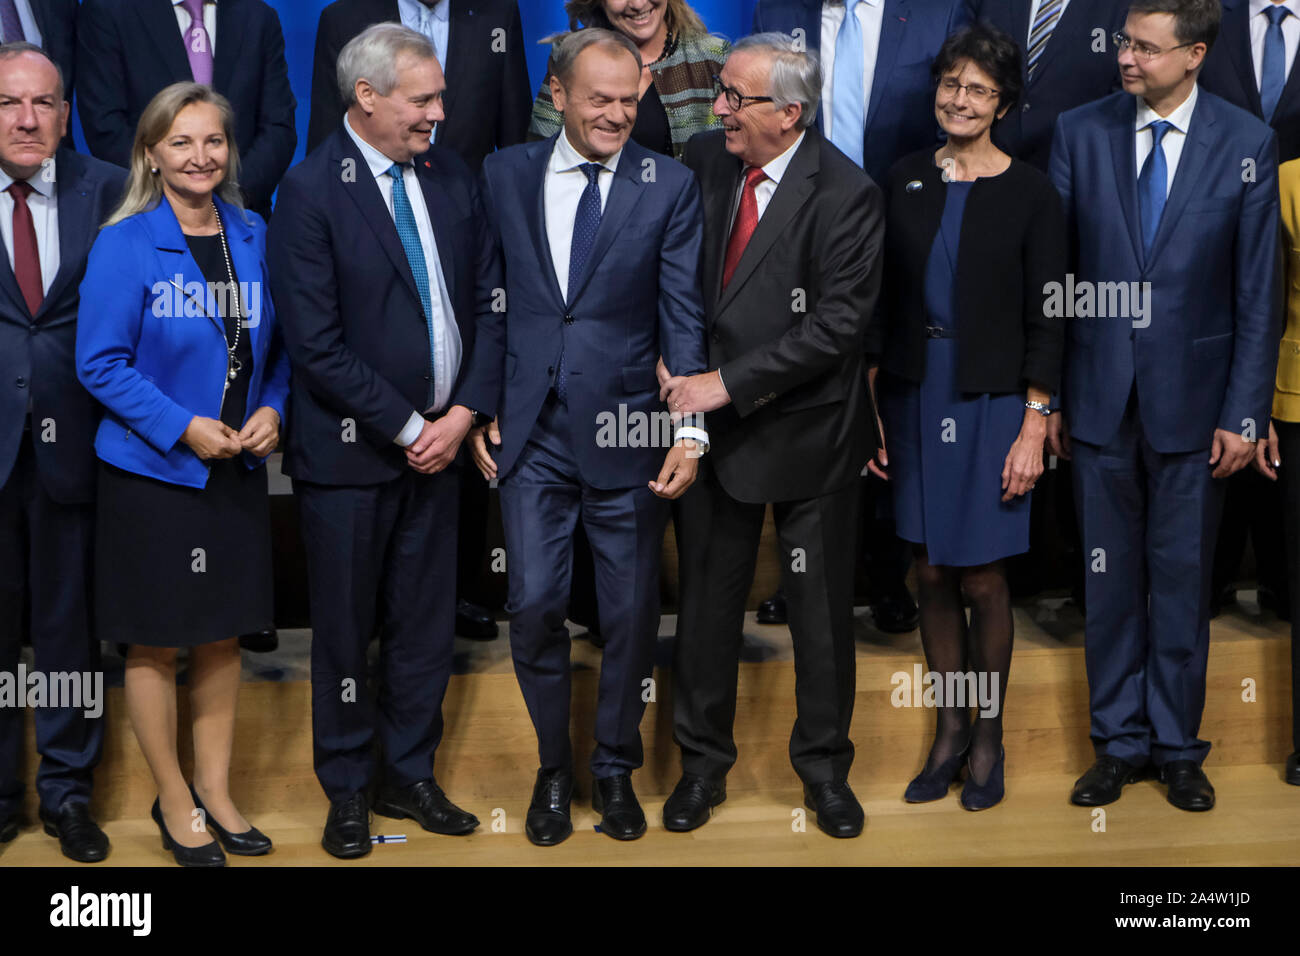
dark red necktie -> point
(746, 223)
(27, 260)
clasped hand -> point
(210, 438)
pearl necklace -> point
(233, 364)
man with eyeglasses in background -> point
(1170, 190)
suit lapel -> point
(1190, 174)
(892, 28)
(1063, 32)
(248, 273)
(364, 191)
(532, 196)
(9, 283)
(441, 216)
(1123, 155)
(77, 228)
(624, 193)
(1235, 35)
(230, 29)
(726, 181)
(179, 268)
(793, 191)
(158, 20)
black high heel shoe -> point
(976, 796)
(207, 855)
(252, 842)
(928, 786)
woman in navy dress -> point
(969, 363)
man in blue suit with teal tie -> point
(1172, 198)
(600, 240)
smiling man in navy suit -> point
(382, 267)
(1172, 194)
(51, 205)
(600, 241)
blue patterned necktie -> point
(1273, 70)
(1153, 184)
(409, 233)
(11, 25)
(848, 112)
(1049, 12)
(586, 222)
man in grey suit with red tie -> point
(51, 204)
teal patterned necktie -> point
(404, 217)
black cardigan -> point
(1012, 245)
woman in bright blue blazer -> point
(177, 340)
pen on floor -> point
(388, 838)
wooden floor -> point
(488, 759)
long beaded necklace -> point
(233, 364)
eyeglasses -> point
(735, 99)
(1143, 51)
(976, 91)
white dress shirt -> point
(433, 22)
(871, 14)
(45, 217)
(183, 20)
(1259, 24)
(1174, 139)
(31, 32)
(561, 190)
(764, 191)
(446, 336)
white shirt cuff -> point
(695, 434)
(410, 431)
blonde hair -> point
(143, 187)
(681, 19)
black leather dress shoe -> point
(1189, 788)
(773, 610)
(691, 803)
(260, 642)
(548, 820)
(426, 804)
(474, 622)
(252, 842)
(835, 808)
(80, 837)
(1292, 771)
(896, 613)
(620, 815)
(1104, 781)
(347, 828)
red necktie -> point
(27, 260)
(746, 222)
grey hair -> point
(18, 47)
(372, 56)
(567, 46)
(796, 73)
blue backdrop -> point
(731, 18)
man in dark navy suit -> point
(600, 240)
(51, 204)
(876, 107)
(128, 50)
(1252, 66)
(381, 267)
(1172, 196)
(1068, 59)
(487, 104)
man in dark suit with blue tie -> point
(51, 205)
(128, 50)
(1068, 60)
(876, 106)
(381, 267)
(1173, 325)
(600, 242)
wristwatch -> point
(477, 419)
(1039, 407)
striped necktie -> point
(409, 233)
(1049, 13)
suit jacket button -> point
(21, 382)
(1025, 108)
(550, 370)
(33, 328)
(717, 337)
(568, 320)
